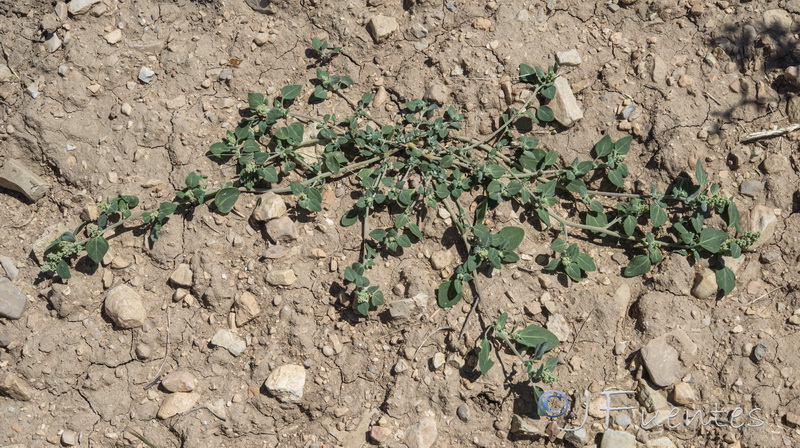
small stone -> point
(380, 434)
(281, 277)
(61, 11)
(578, 437)
(53, 44)
(622, 420)
(400, 366)
(685, 81)
(570, 58)
(463, 412)
(620, 347)
(705, 286)
(760, 351)
(15, 387)
(764, 221)
(618, 439)
(261, 39)
(565, 106)
(143, 351)
(437, 93)
(751, 188)
(114, 36)
(794, 320)
(78, 7)
(247, 308)
(175, 103)
(9, 267)
(441, 259)
(270, 206)
(225, 75)
(776, 164)
(792, 420)
(327, 350)
(422, 434)
(660, 442)
(777, 20)
(179, 381)
(126, 109)
(123, 305)
(683, 394)
(182, 276)
(12, 300)
(69, 438)
(177, 403)
(419, 31)
(146, 75)
(380, 27)
(381, 95)
(559, 326)
(525, 427)
(438, 361)
(663, 360)
(282, 229)
(482, 23)
(15, 176)
(793, 107)
(230, 341)
(286, 383)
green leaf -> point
(700, 173)
(226, 199)
(378, 234)
(558, 245)
(549, 91)
(573, 271)
(511, 237)
(533, 335)
(732, 216)
(736, 250)
(553, 264)
(726, 280)
(193, 180)
(292, 134)
(623, 145)
(657, 215)
(350, 218)
(484, 363)
(616, 178)
(548, 188)
(526, 73)
(255, 99)
(629, 225)
(603, 147)
(448, 295)
(96, 248)
(638, 265)
(62, 270)
(291, 92)
(712, 239)
(586, 263)
(320, 92)
(545, 113)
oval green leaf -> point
(226, 199)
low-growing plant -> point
(406, 169)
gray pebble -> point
(327, 351)
(146, 74)
(463, 412)
(623, 420)
(12, 300)
(225, 75)
(307, 363)
(760, 351)
(8, 265)
(751, 188)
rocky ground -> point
(252, 345)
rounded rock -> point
(286, 383)
(179, 381)
(124, 307)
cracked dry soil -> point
(702, 75)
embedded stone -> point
(124, 307)
(286, 383)
(177, 403)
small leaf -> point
(629, 225)
(657, 215)
(350, 218)
(62, 269)
(226, 199)
(586, 263)
(96, 248)
(255, 99)
(726, 280)
(511, 237)
(378, 234)
(573, 271)
(712, 239)
(732, 216)
(448, 295)
(484, 363)
(603, 147)
(291, 92)
(623, 145)
(533, 335)
(558, 245)
(193, 180)
(545, 113)
(700, 173)
(616, 178)
(638, 265)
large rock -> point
(77, 7)
(270, 206)
(764, 221)
(124, 307)
(618, 439)
(12, 300)
(182, 276)
(422, 434)
(281, 277)
(15, 387)
(380, 27)
(179, 381)
(565, 106)
(14, 176)
(177, 403)
(247, 308)
(286, 383)
(668, 356)
(230, 341)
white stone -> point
(618, 439)
(126, 109)
(270, 206)
(146, 74)
(441, 259)
(230, 341)
(763, 220)
(261, 39)
(124, 307)
(282, 277)
(247, 308)
(380, 27)
(78, 7)
(667, 356)
(661, 442)
(565, 106)
(569, 58)
(53, 44)
(422, 434)
(179, 381)
(177, 403)
(12, 300)
(286, 383)
(559, 326)
(182, 276)
(114, 36)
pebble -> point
(437, 93)
(793, 109)
(247, 308)
(525, 427)
(126, 109)
(620, 347)
(146, 74)
(661, 442)
(15, 387)
(282, 277)
(705, 286)
(69, 438)
(777, 20)
(143, 351)
(751, 188)
(482, 23)
(559, 326)
(792, 420)
(422, 434)
(114, 36)
(380, 434)
(463, 412)
(381, 95)
(179, 381)
(225, 75)
(401, 366)
(286, 383)
(327, 350)
(261, 39)
(269, 206)
(578, 437)
(380, 27)
(776, 164)
(570, 58)
(764, 221)
(230, 341)
(618, 439)
(760, 351)
(78, 7)
(15, 176)
(61, 11)
(623, 420)
(53, 44)
(12, 300)
(684, 394)
(665, 356)
(33, 89)
(282, 229)
(438, 361)
(441, 259)
(564, 104)
(182, 276)
(124, 307)
(177, 403)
